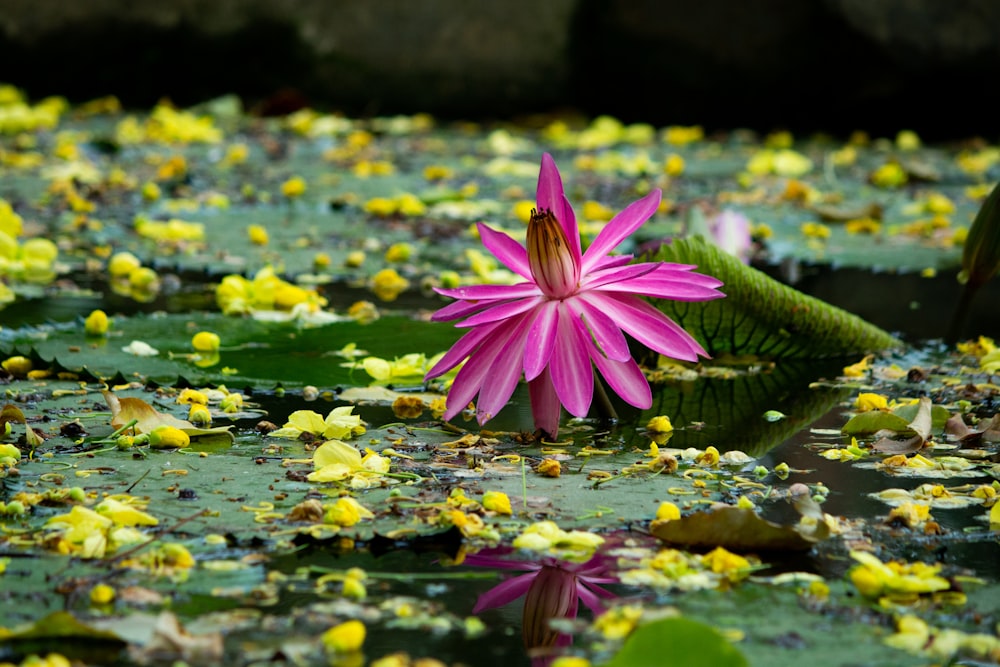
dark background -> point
(803, 65)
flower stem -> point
(602, 402)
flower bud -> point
(168, 437)
(96, 323)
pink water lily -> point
(569, 315)
(552, 589)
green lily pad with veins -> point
(761, 316)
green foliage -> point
(677, 642)
(761, 316)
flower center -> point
(555, 270)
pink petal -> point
(647, 325)
(590, 597)
(610, 261)
(541, 339)
(511, 253)
(607, 334)
(504, 372)
(458, 309)
(597, 278)
(572, 372)
(459, 351)
(626, 379)
(501, 311)
(550, 196)
(620, 227)
(475, 372)
(505, 592)
(490, 292)
(545, 406)
(672, 285)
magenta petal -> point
(507, 250)
(458, 309)
(591, 598)
(690, 287)
(505, 592)
(501, 311)
(465, 346)
(623, 224)
(545, 406)
(490, 292)
(550, 196)
(598, 278)
(606, 333)
(626, 379)
(541, 339)
(610, 261)
(504, 373)
(572, 372)
(647, 325)
(474, 373)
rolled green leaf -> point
(761, 316)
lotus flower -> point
(569, 315)
(551, 588)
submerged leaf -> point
(763, 316)
(76, 640)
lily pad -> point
(691, 644)
(761, 316)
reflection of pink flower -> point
(731, 231)
(570, 313)
(551, 589)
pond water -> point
(723, 412)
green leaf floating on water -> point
(762, 316)
(677, 642)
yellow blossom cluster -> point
(781, 162)
(915, 635)
(236, 295)
(408, 368)
(547, 537)
(311, 123)
(387, 284)
(673, 568)
(91, 533)
(17, 115)
(169, 125)
(602, 132)
(171, 233)
(202, 402)
(29, 261)
(309, 425)
(897, 582)
(337, 461)
(128, 277)
(985, 350)
(406, 204)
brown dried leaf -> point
(829, 213)
(171, 643)
(124, 410)
(734, 528)
(11, 413)
(957, 427)
(989, 433)
(921, 426)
